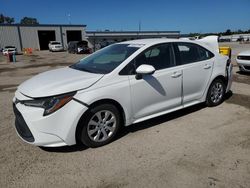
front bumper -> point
(57, 49)
(54, 130)
(21, 126)
(244, 65)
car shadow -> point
(65, 149)
(159, 120)
(228, 95)
(154, 83)
(138, 126)
(243, 73)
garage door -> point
(45, 37)
(75, 35)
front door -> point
(160, 91)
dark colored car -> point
(78, 47)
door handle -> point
(176, 74)
(207, 66)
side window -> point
(160, 57)
(205, 54)
(190, 53)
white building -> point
(37, 37)
(235, 37)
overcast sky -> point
(183, 15)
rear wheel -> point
(100, 125)
(216, 92)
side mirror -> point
(145, 69)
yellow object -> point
(225, 50)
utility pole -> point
(69, 18)
(139, 28)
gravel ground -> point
(194, 147)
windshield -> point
(106, 60)
(55, 43)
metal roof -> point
(44, 25)
(133, 31)
(130, 33)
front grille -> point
(241, 57)
(21, 126)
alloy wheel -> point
(217, 92)
(101, 126)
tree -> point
(29, 21)
(240, 31)
(228, 32)
(6, 19)
(1, 18)
(9, 20)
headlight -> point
(50, 104)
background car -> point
(55, 46)
(243, 60)
(79, 47)
(9, 49)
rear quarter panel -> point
(219, 69)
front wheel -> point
(100, 125)
(216, 92)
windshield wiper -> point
(85, 70)
(81, 69)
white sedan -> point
(117, 86)
(55, 46)
(243, 60)
(9, 50)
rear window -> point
(190, 53)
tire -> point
(216, 93)
(99, 120)
(241, 70)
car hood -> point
(245, 53)
(57, 82)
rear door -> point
(197, 65)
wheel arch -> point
(221, 77)
(94, 104)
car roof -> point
(154, 41)
(149, 41)
(158, 40)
